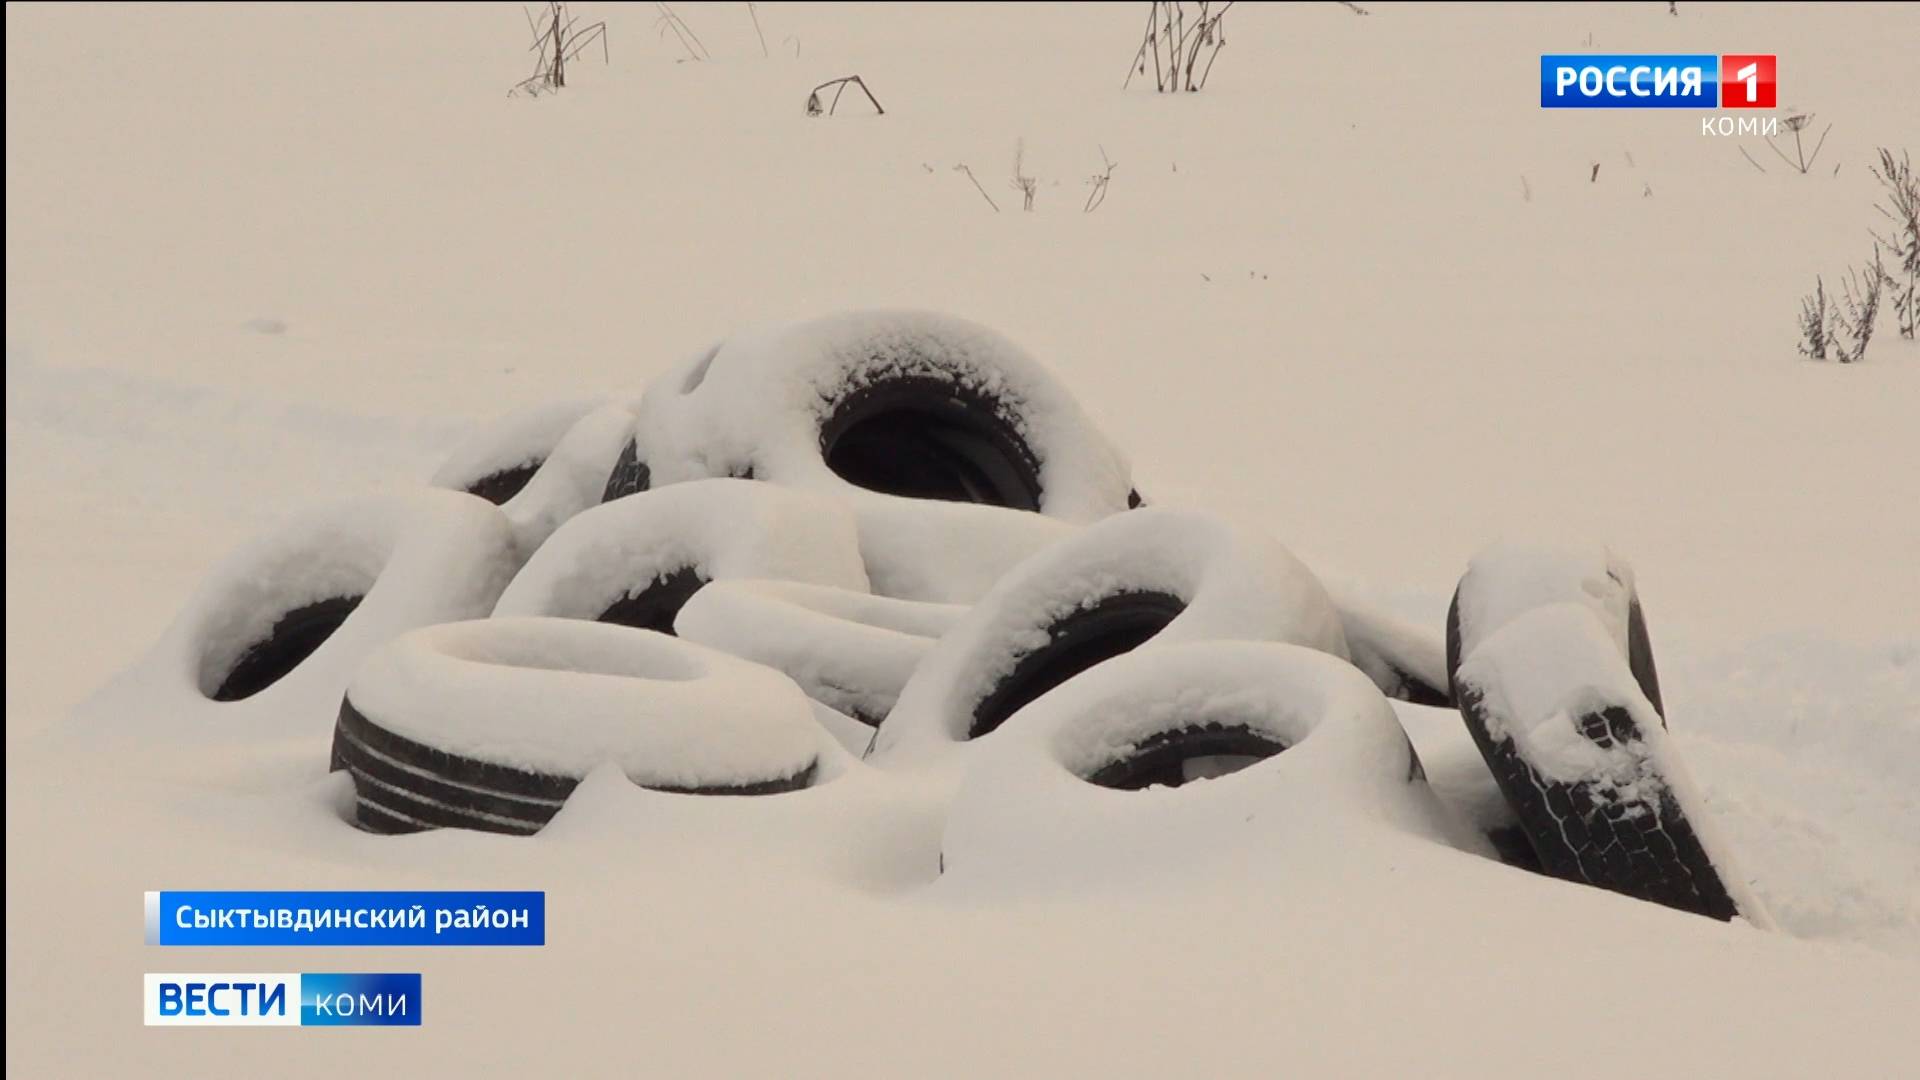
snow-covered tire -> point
(572, 477)
(848, 650)
(1080, 781)
(1407, 662)
(1550, 663)
(489, 724)
(1154, 574)
(1508, 580)
(898, 403)
(541, 465)
(637, 560)
(945, 553)
(331, 584)
(496, 461)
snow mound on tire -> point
(716, 528)
(848, 650)
(562, 696)
(757, 402)
(409, 561)
(519, 440)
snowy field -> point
(1362, 291)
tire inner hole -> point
(655, 606)
(926, 439)
(1186, 755)
(294, 637)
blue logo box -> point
(1630, 81)
(326, 999)
(359, 1000)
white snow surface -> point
(1361, 290)
(848, 650)
(758, 400)
(720, 528)
(1236, 583)
(563, 696)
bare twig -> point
(1902, 208)
(1024, 184)
(1098, 182)
(1176, 42)
(1801, 161)
(1353, 7)
(756, 30)
(1750, 161)
(558, 40)
(976, 186)
(1816, 146)
(1862, 302)
(670, 20)
(840, 87)
(1815, 335)
(1139, 58)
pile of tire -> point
(893, 540)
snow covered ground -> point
(1362, 290)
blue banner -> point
(1630, 81)
(346, 918)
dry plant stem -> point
(1099, 183)
(977, 187)
(690, 41)
(1902, 208)
(1138, 63)
(1211, 57)
(1814, 333)
(757, 31)
(1862, 308)
(840, 85)
(1024, 184)
(1801, 160)
(1159, 80)
(558, 40)
(1176, 39)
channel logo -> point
(1659, 81)
(307, 1000)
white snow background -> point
(1362, 291)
